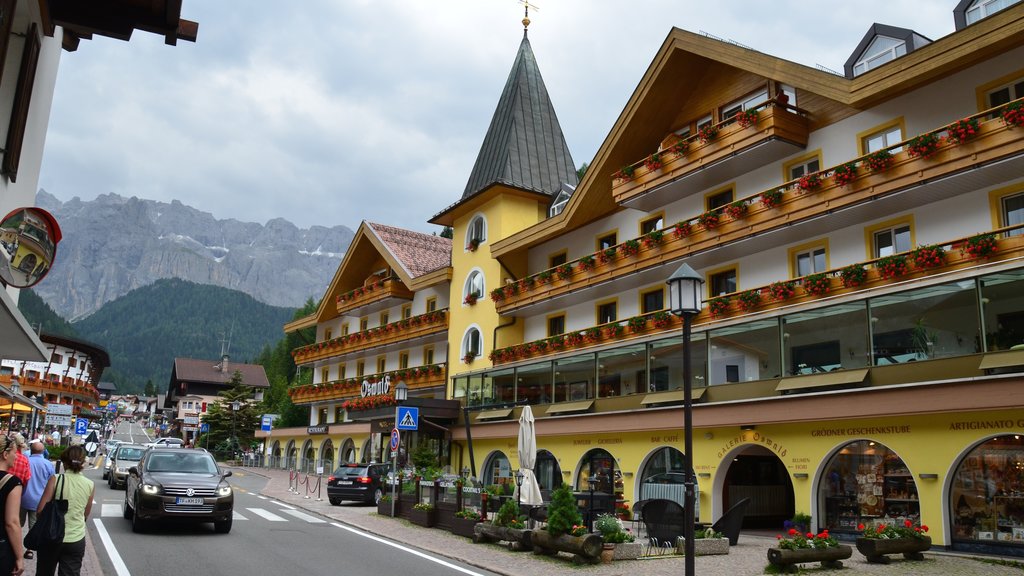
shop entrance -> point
(757, 473)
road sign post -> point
(395, 441)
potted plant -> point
(631, 247)
(709, 219)
(980, 246)
(680, 148)
(719, 305)
(706, 542)
(747, 118)
(619, 543)
(962, 130)
(564, 532)
(910, 539)
(879, 161)
(473, 244)
(799, 547)
(816, 284)
(749, 300)
(465, 522)
(782, 290)
(653, 238)
(923, 146)
(809, 182)
(1013, 114)
(707, 133)
(471, 298)
(853, 275)
(925, 257)
(771, 198)
(653, 162)
(736, 210)
(384, 506)
(508, 525)
(624, 173)
(892, 266)
(683, 229)
(423, 515)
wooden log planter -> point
(875, 549)
(585, 549)
(830, 557)
(485, 532)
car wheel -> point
(222, 527)
(138, 526)
(377, 495)
(335, 501)
(106, 475)
(127, 511)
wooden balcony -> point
(395, 333)
(800, 291)
(80, 392)
(373, 296)
(736, 149)
(416, 378)
(994, 155)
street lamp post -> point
(684, 292)
(235, 405)
(401, 395)
(519, 487)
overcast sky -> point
(328, 112)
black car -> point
(178, 484)
(361, 482)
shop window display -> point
(867, 483)
(987, 494)
(497, 470)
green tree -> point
(232, 430)
(448, 232)
(150, 389)
(581, 171)
(563, 513)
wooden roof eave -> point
(430, 279)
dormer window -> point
(559, 204)
(979, 9)
(881, 50)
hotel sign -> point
(383, 386)
(322, 429)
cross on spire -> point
(526, 14)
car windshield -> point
(129, 454)
(351, 472)
(181, 462)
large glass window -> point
(534, 383)
(986, 498)
(548, 472)
(866, 483)
(599, 470)
(933, 322)
(574, 378)
(984, 8)
(622, 370)
(745, 352)
(826, 339)
(497, 470)
(501, 385)
(667, 363)
(1002, 296)
(664, 476)
(1013, 212)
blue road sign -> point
(394, 439)
(267, 423)
(111, 407)
(81, 426)
(204, 427)
(408, 418)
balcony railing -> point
(349, 388)
(853, 184)
(378, 293)
(983, 250)
(738, 145)
(80, 390)
(399, 331)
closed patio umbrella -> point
(529, 493)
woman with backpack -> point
(78, 490)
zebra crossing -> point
(284, 513)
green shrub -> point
(562, 512)
(508, 515)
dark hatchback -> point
(361, 482)
(172, 484)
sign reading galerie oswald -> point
(322, 429)
(383, 386)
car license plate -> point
(181, 500)
(344, 482)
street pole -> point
(401, 394)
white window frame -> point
(805, 166)
(870, 60)
(745, 103)
(477, 229)
(560, 202)
(474, 283)
(473, 332)
(887, 139)
(981, 9)
(892, 232)
(810, 254)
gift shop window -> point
(986, 497)
(866, 483)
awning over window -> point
(494, 414)
(671, 396)
(570, 407)
(1002, 360)
(825, 380)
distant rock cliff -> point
(113, 245)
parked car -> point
(127, 455)
(166, 442)
(171, 484)
(361, 482)
(111, 451)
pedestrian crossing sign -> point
(408, 418)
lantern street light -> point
(401, 395)
(519, 487)
(684, 293)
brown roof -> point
(417, 253)
(192, 370)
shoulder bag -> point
(6, 552)
(48, 531)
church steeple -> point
(524, 146)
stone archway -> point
(348, 452)
(327, 456)
(307, 462)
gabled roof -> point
(209, 372)
(911, 39)
(416, 253)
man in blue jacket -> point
(42, 469)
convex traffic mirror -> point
(28, 246)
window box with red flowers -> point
(707, 133)
(511, 289)
(564, 271)
(631, 247)
(592, 334)
(809, 182)
(473, 244)
(624, 173)
(544, 277)
(749, 300)
(962, 130)
(468, 358)
(923, 146)
(853, 275)
(737, 209)
(782, 290)
(607, 255)
(680, 148)
(925, 257)
(720, 305)
(709, 219)
(682, 229)
(587, 263)
(471, 298)
(653, 238)
(747, 118)
(892, 266)
(1013, 114)
(661, 319)
(879, 161)
(771, 198)
(637, 323)
(844, 173)
(980, 246)
(653, 162)
(816, 284)
(368, 402)
(497, 295)
(910, 539)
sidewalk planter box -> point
(875, 549)
(464, 527)
(829, 557)
(705, 546)
(486, 532)
(405, 504)
(384, 508)
(425, 518)
(585, 549)
(628, 551)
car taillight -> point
(364, 480)
(330, 478)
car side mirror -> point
(227, 473)
(134, 470)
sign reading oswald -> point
(322, 429)
(383, 386)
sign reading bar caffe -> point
(322, 429)
(379, 388)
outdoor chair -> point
(732, 521)
(664, 521)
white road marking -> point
(306, 517)
(266, 515)
(262, 497)
(406, 549)
(283, 505)
(108, 544)
(110, 510)
(236, 516)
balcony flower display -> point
(544, 277)
(782, 290)
(771, 198)
(592, 334)
(736, 210)
(747, 118)
(923, 146)
(720, 305)
(624, 173)
(511, 289)
(1013, 114)
(707, 133)
(653, 238)
(709, 219)
(468, 358)
(680, 148)
(962, 130)
(980, 246)
(809, 182)
(853, 275)
(471, 298)
(845, 173)
(497, 295)
(607, 255)
(879, 161)
(368, 403)
(653, 162)
(587, 263)
(928, 256)
(564, 271)
(816, 284)
(661, 319)
(892, 266)
(637, 323)
(749, 300)
(682, 229)
(631, 247)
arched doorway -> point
(986, 497)
(348, 452)
(275, 455)
(367, 451)
(755, 472)
(308, 454)
(598, 474)
(291, 459)
(865, 482)
(327, 456)
(497, 470)
(664, 476)
(548, 472)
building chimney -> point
(224, 363)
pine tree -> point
(448, 233)
(562, 512)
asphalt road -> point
(268, 537)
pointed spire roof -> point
(524, 146)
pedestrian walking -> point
(11, 548)
(78, 491)
(21, 468)
(42, 470)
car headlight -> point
(224, 490)
(151, 488)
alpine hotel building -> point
(860, 356)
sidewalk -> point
(746, 558)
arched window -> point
(986, 497)
(474, 288)
(497, 470)
(476, 233)
(866, 483)
(472, 344)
